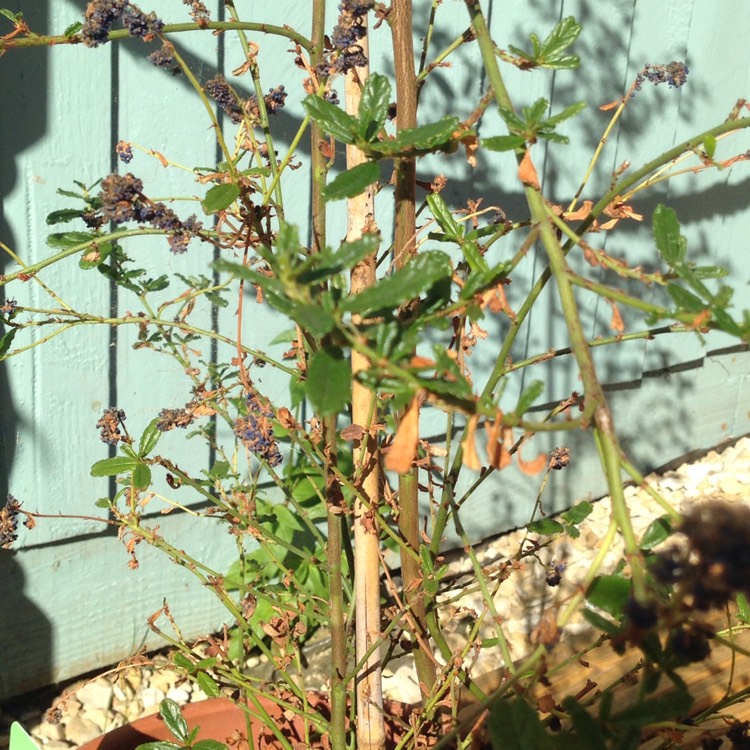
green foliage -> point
(352, 182)
(532, 126)
(569, 520)
(329, 381)
(186, 738)
(373, 106)
(515, 725)
(220, 197)
(551, 52)
(610, 594)
(331, 118)
(696, 300)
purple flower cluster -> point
(141, 25)
(275, 99)
(98, 19)
(122, 200)
(674, 74)
(226, 97)
(347, 52)
(101, 14)
(9, 522)
(164, 58)
(171, 418)
(256, 431)
(109, 424)
(124, 151)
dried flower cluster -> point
(9, 522)
(256, 431)
(237, 108)
(122, 200)
(109, 424)
(101, 14)
(198, 11)
(674, 74)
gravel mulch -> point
(88, 707)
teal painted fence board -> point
(68, 587)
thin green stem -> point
(43, 40)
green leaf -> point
(743, 609)
(578, 512)
(560, 38)
(207, 684)
(672, 246)
(329, 381)
(65, 240)
(182, 662)
(503, 142)
(10, 15)
(709, 146)
(64, 215)
(545, 526)
(668, 707)
(599, 622)
(73, 29)
(588, 730)
(551, 53)
(109, 467)
(330, 118)
(220, 197)
(272, 288)
(373, 106)
(528, 397)
(436, 135)
(444, 217)
(142, 476)
(536, 111)
(174, 719)
(352, 182)
(417, 276)
(515, 725)
(150, 438)
(657, 531)
(569, 111)
(685, 300)
(328, 263)
(6, 340)
(709, 272)
(209, 745)
(725, 322)
(159, 745)
(430, 136)
(609, 593)
(314, 318)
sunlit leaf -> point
(220, 197)
(331, 118)
(352, 182)
(373, 106)
(329, 381)
(672, 246)
(610, 593)
(109, 467)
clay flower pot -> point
(224, 720)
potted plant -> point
(378, 332)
